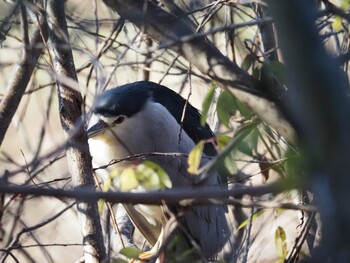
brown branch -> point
(21, 76)
(78, 155)
(169, 196)
(165, 27)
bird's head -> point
(116, 106)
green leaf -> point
(295, 164)
(243, 147)
(254, 138)
(256, 73)
(245, 222)
(249, 144)
(244, 130)
(130, 252)
(267, 71)
(247, 62)
(280, 241)
(207, 102)
(195, 157)
(226, 107)
(222, 141)
(164, 178)
(272, 71)
(128, 180)
(244, 110)
(229, 161)
(228, 146)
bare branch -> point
(170, 196)
(21, 76)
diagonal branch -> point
(21, 76)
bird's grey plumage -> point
(151, 122)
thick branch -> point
(78, 155)
(321, 104)
(165, 28)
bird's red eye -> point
(119, 119)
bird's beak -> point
(96, 128)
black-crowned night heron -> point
(144, 117)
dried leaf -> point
(265, 167)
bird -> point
(144, 117)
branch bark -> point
(78, 155)
(165, 28)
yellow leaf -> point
(147, 177)
(337, 23)
(255, 215)
(194, 158)
(107, 185)
(280, 241)
(128, 180)
(100, 204)
(164, 179)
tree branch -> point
(169, 196)
(21, 75)
(319, 99)
(78, 155)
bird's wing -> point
(149, 231)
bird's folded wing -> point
(149, 231)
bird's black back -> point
(175, 105)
